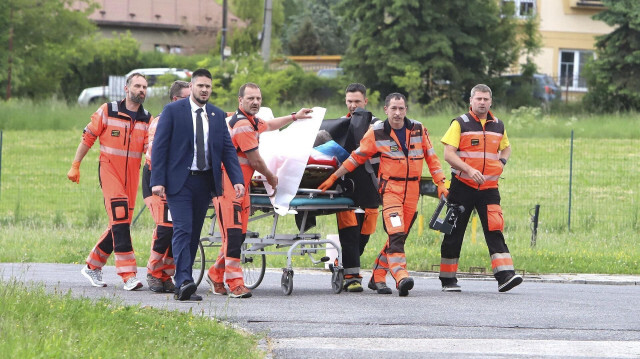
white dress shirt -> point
(205, 127)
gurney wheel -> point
(287, 281)
(199, 266)
(336, 280)
(253, 269)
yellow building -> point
(568, 38)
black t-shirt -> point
(132, 114)
(402, 137)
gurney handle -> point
(312, 191)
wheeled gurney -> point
(308, 203)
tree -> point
(452, 44)
(614, 77)
(531, 44)
(305, 40)
(315, 23)
(44, 33)
(247, 40)
(91, 60)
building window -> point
(590, 3)
(168, 49)
(524, 8)
(571, 69)
(161, 48)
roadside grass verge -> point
(34, 323)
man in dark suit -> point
(191, 143)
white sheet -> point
(286, 153)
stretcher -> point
(308, 202)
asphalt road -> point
(561, 316)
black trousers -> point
(471, 198)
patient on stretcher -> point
(326, 156)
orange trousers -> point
(399, 204)
(119, 190)
(233, 218)
(160, 264)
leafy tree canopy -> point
(614, 77)
(315, 29)
(451, 45)
(44, 34)
(247, 40)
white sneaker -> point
(94, 276)
(132, 284)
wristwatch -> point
(504, 161)
(293, 116)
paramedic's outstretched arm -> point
(74, 173)
(341, 172)
(278, 122)
(333, 178)
(456, 162)
(257, 163)
(358, 157)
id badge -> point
(395, 220)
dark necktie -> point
(200, 160)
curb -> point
(568, 278)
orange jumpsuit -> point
(233, 213)
(160, 264)
(123, 141)
(399, 178)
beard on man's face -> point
(136, 98)
(201, 101)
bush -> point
(286, 86)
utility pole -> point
(266, 35)
(223, 42)
(10, 60)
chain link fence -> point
(586, 187)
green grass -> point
(46, 218)
(34, 323)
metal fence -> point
(578, 189)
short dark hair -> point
(323, 136)
(201, 72)
(357, 87)
(134, 75)
(176, 88)
(248, 84)
(395, 96)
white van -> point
(115, 90)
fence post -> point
(0, 162)
(570, 181)
(139, 213)
(534, 222)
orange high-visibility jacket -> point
(152, 132)
(123, 140)
(245, 132)
(479, 147)
(394, 165)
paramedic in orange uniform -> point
(477, 148)
(122, 128)
(403, 144)
(233, 213)
(160, 267)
